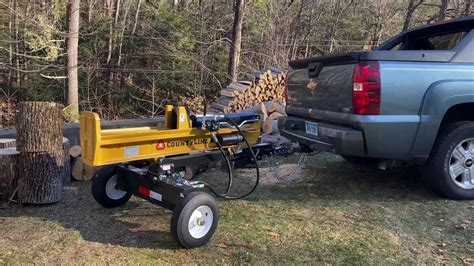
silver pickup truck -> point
(411, 99)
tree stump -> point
(39, 140)
(40, 177)
(7, 143)
(67, 162)
(39, 127)
(8, 173)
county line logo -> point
(191, 142)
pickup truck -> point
(411, 99)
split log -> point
(275, 106)
(228, 93)
(75, 151)
(40, 177)
(39, 127)
(237, 87)
(275, 116)
(8, 173)
(67, 162)
(7, 143)
(227, 101)
(245, 82)
(82, 171)
(220, 107)
(270, 127)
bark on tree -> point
(40, 177)
(8, 173)
(442, 10)
(467, 7)
(72, 52)
(234, 54)
(412, 6)
(39, 127)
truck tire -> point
(450, 169)
(104, 191)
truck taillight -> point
(366, 89)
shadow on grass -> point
(136, 224)
(328, 177)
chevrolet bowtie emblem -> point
(312, 85)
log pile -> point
(39, 140)
(194, 103)
(240, 95)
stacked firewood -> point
(243, 94)
(270, 111)
(194, 103)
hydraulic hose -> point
(229, 167)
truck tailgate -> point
(323, 83)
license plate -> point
(312, 128)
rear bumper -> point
(336, 139)
(382, 137)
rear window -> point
(444, 41)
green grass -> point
(333, 213)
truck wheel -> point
(450, 170)
(194, 220)
(104, 188)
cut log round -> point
(67, 162)
(40, 177)
(8, 173)
(82, 171)
(39, 127)
(75, 151)
(7, 143)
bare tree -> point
(235, 48)
(467, 7)
(72, 92)
(443, 8)
(412, 6)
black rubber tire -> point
(436, 173)
(98, 188)
(182, 214)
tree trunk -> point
(41, 177)
(442, 10)
(39, 127)
(72, 51)
(8, 173)
(467, 7)
(234, 53)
